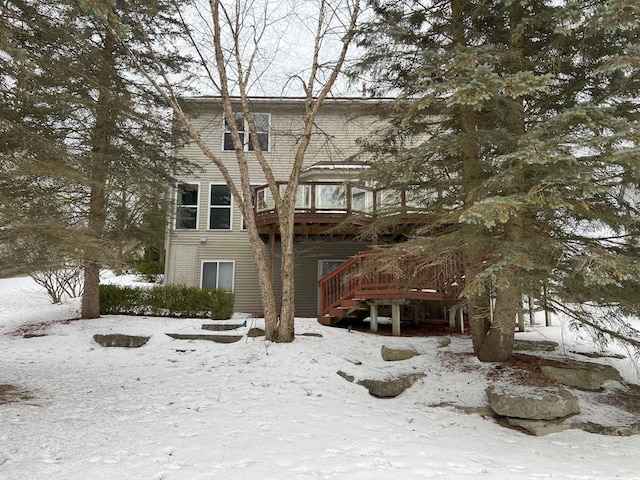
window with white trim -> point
(187, 206)
(218, 274)
(219, 207)
(262, 121)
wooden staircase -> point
(355, 284)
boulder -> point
(392, 387)
(385, 388)
(534, 403)
(394, 355)
(444, 342)
(119, 340)
(584, 375)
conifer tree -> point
(106, 141)
(517, 123)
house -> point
(207, 245)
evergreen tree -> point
(107, 141)
(517, 124)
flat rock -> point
(618, 356)
(613, 430)
(212, 338)
(539, 428)
(255, 332)
(584, 375)
(222, 327)
(533, 403)
(395, 354)
(533, 345)
(119, 340)
(346, 376)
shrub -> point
(167, 301)
(222, 303)
(116, 300)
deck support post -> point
(373, 314)
(521, 327)
(395, 320)
(456, 317)
(532, 313)
(547, 310)
(415, 315)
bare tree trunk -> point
(287, 305)
(233, 59)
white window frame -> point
(245, 134)
(233, 272)
(178, 206)
(210, 207)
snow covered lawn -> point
(176, 409)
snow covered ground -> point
(176, 409)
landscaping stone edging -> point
(532, 403)
(120, 340)
(388, 388)
(584, 375)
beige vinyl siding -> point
(334, 139)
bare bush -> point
(60, 282)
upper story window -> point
(187, 206)
(220, 208)
(262, 121)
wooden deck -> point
(357, 284)
(337, 208)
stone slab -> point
(533, 403)
(584, 375)
(221, 327)
(119, 340)
(212, 338)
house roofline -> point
(292, 100)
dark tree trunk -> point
(98, 180)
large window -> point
(262, 121)
(220, 208)
(187, 206)
(218, 274)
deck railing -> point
(355, 279)
(334, 197)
